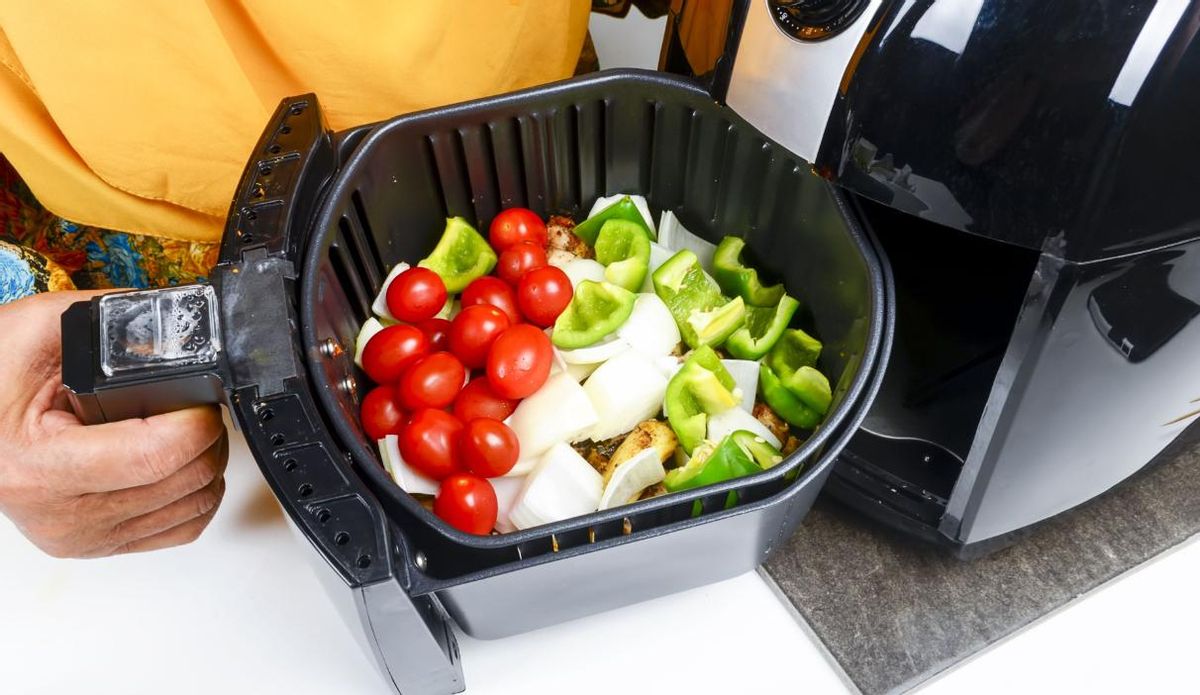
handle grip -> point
(141, 353)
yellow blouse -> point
(138, 115)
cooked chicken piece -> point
(559, 257)
(763, 413)
(560, 236)
(653, 491)
(791, 444)
(649, 434)
(598, 453)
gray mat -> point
(894, 612)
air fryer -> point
(1021, 171)
(318, 219)
(1028, 168)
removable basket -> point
(318, 219)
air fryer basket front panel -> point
(555, 149)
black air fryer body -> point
(1029, 169)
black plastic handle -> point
(142, 353)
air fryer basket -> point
(556, 149)
(317, 219)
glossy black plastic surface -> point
(1064, 126)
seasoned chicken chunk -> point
(654, 434)
(763, 413)
(560, 237)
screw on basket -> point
(330, 347)
(348, 384)
(421, 560)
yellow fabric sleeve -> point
(138, 115)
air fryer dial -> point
(815, 20)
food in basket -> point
(551, 369)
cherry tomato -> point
(488, 447)
(389, 351)
(468, 503)
(519, 361)
(477, 399)
(416, 294)
(438, 333)
(543, 293)
(429, 443)
(431, 382)
(515, 225)
(381, 414)
(473, 331)
(492, 290)
(518, 259)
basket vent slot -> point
(591, 155)
(508, 166)
(475, 144)
(344, 269)
(370, 241)
(360, 254)
(453, 182)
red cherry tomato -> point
(515, 225)
(519, 361)
(479, 400)
(431, 382)
(430, 441)
(519, 259)
(416, 294)
(488, 447)
(494, 291)
(438, 333)
(381, 414)
(389, 351)
(468, 503)
(543, 293)
(473, 331)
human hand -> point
(96, 490)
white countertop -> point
(240, 609)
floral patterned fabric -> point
(87, 257)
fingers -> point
(196, 475)
(180, 535)
(177, 523)
(133, 453)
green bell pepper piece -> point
(763, 452)
(711, 463)
(596, 309)
(739, 280)
(703, 315)
(763, 328)
(811, 387)
(714, 326)
(700, 388)
(801, 399)
(623, 209)
(624, 249)
(793, 350)
(461, 255)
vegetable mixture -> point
(553, 370)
